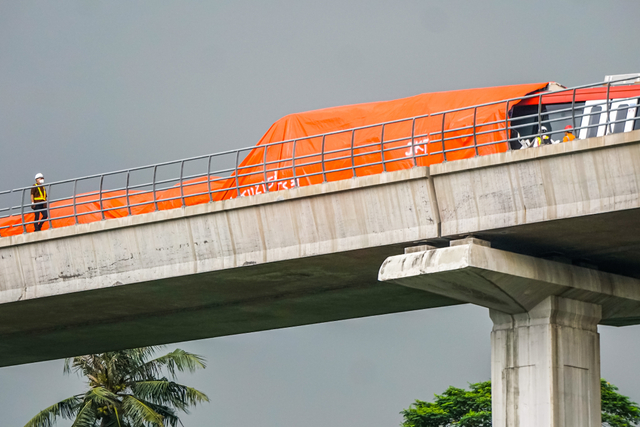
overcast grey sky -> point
(89, 86)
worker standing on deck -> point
(542, 139)
(39, 202)
(568, 134)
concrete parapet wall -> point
(583, 177)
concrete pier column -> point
(545, 365)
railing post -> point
(101, 208)
(127, 194)
(293, 164)
(264, 164)
(573, 111)
(413, 143)
(384, 167)
(324, 175)
(47, 208)
(75, 210)
(353, 159)
(607, 127)
(153, 183)
(506, 126)
(540, 118)
(475, 141)
(444, 152)
(236, 172)
(182, 203)
(264, 169)
(209, 179)
(24, 226)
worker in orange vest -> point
(39, 202)
(568, 134)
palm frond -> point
(118, 365)
(140, 412)
(117, 416)
(88, 365)
(86, 416)
(112, 422)
(168, 393)
(66, 408)
(135, 357)
(67, 366)
(114, 419)
(101, 396)
(169, 417)
(141, 354)
(177, 360)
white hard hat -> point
(39, 175)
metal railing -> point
(425, 139)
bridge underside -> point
(241, 300)
(285, 293)
(609, 241)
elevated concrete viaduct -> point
(312, 254)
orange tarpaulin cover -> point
(366, 142)
(347, 153)
(114, 205)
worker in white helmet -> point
(39, 202)
(542, 139)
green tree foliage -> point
(454, 407)
(617, 410)
(457, 407)
(127, 389)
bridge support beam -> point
(545, 365)
(545, 351)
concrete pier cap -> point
(545, 350)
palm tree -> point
(127, 390)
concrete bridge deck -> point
(310, 254)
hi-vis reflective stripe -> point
(42, 194)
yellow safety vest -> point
(538, 141)
(42, 194)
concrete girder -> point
(512, 283)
